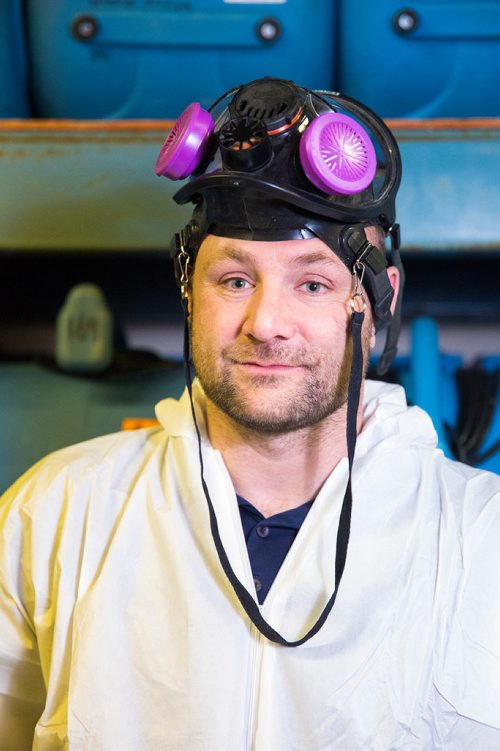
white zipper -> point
(255, 654)
(254, 665)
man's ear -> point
(375, 235)
(394, 279)
(393, 274)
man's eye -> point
(236, 283)
(314, 287)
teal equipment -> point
(151, 58)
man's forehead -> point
(293, 252)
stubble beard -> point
(320, 393)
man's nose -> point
(268, 315)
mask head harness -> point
(275, 161)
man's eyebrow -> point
(314, 257)
(231, 253)
(227, 252)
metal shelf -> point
(90, 185)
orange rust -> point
(112, 126)
(66, 125)
(450, 123)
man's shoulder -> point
(394, 427)
(467, 487)
(111, 460)
(467, 667)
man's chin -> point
(288, 417)
(276, 425)
(273, 404)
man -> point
(288, 562)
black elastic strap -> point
(248, 603)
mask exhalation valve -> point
(276, 103)
(244, 144)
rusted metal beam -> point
(79, 184)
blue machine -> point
(430, 58)
(13, 62)
(151, 58)
(462, 400)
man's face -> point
(269, 325)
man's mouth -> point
(266, 360)
(268, 367)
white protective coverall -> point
(120, 632)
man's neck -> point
(278, 472)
